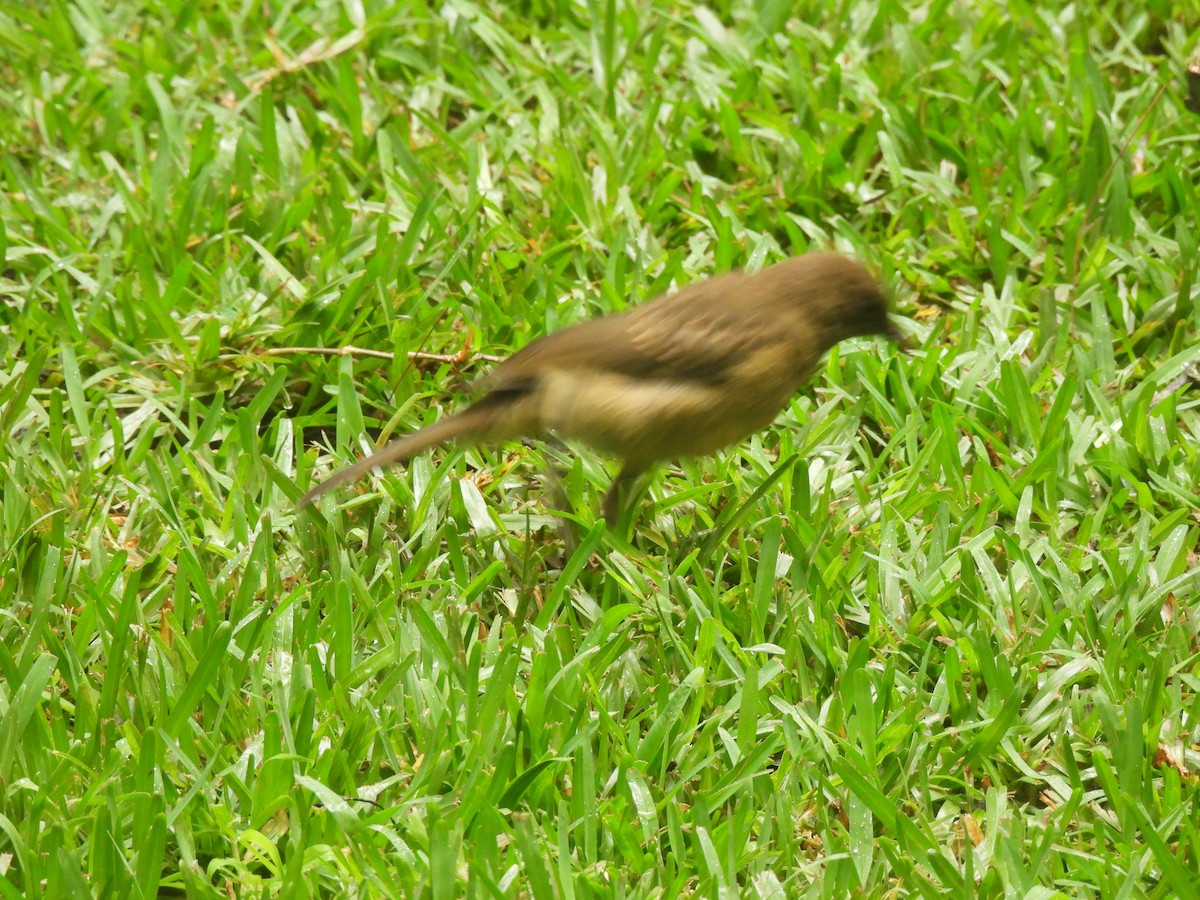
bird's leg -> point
(610, 506)
(561, 500)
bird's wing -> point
(697, 334)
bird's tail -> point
(482, 422)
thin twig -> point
(412, 355)
(318, 51)
(1084, 224)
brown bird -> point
(683, 375)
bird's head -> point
(844, 298)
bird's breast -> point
(655, 419)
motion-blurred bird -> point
(683, 375)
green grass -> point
(934, 634)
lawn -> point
(936, 633)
